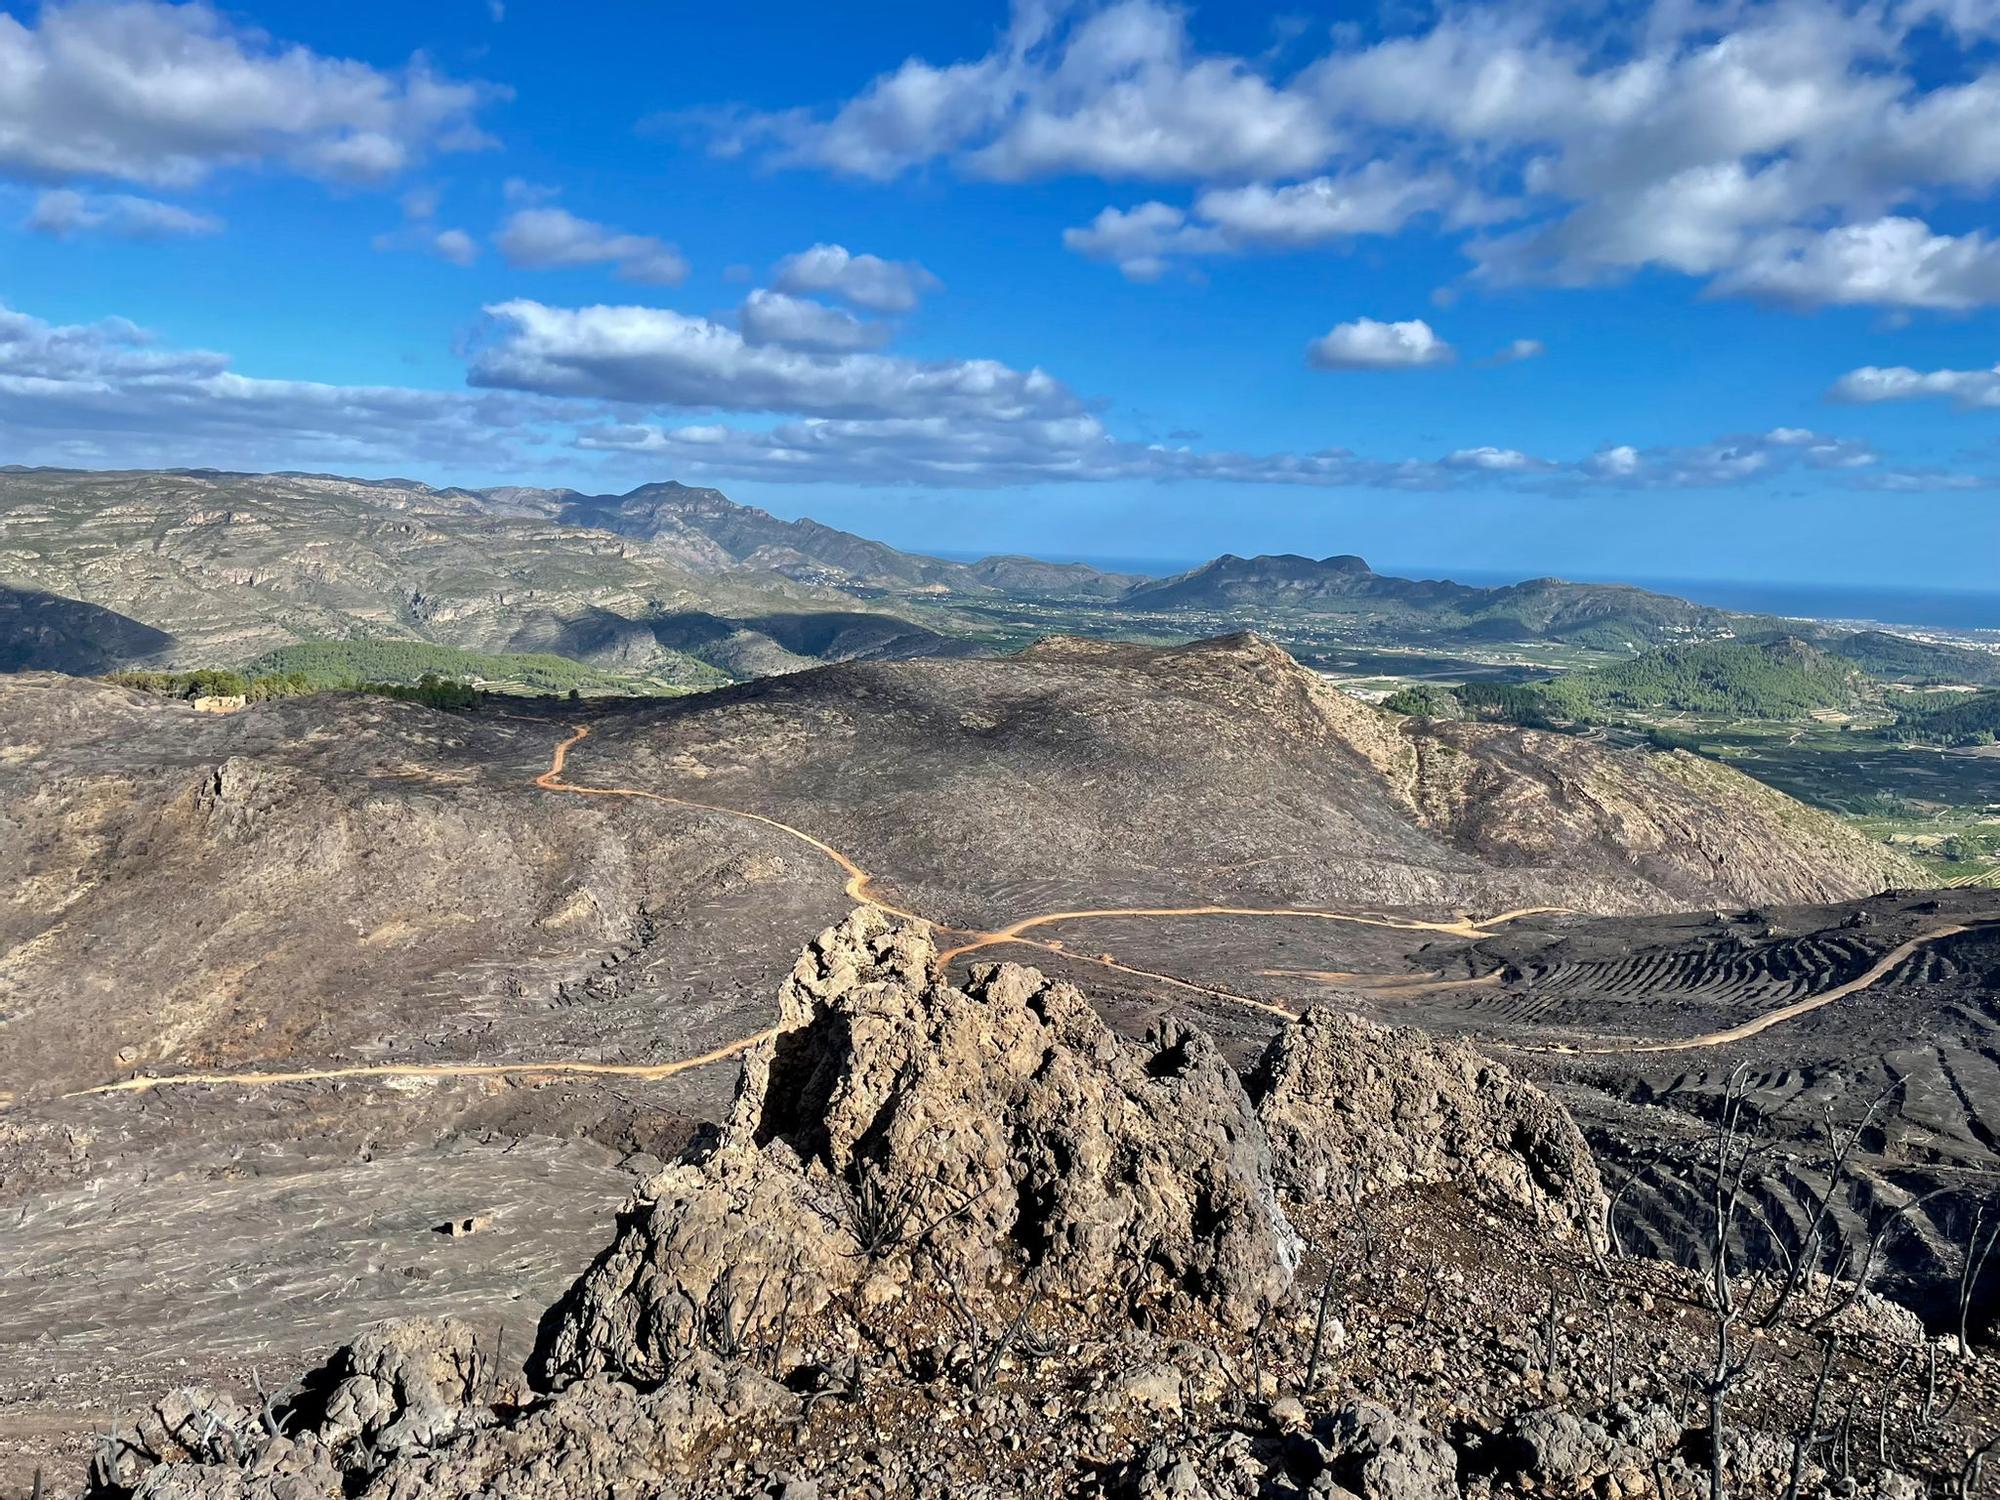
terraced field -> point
(1914, 1056)
(1767, 975)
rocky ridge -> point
(1120, 774)
(966, 1241)
(206, 569)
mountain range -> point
(214, 569)
(708, 532)
(200, 568)
(1609, 616)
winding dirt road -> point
(860, 886)
(145, 1081)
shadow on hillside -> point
(43, 632)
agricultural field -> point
(1940, 805)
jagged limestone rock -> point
(1353, 1108)
(390, 1441)
(1378, 1454)
(1359, 1451)
(898, 1127)
(602, 1436)
(1563, 1453)
(405, 1386)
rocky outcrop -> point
(602, 1436)
(1353, 1108)
(404, 1387)
(386, 1420)
(398, 1390)
(896, 1129)
(911, 1171)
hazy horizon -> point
(1563, 296)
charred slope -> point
(345, 879)
(1092, 775)
(965, 1242)
(1915, 1055)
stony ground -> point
(330, 884)
(1150, 1291)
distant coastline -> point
(1943, 609)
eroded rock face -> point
(406, 1386)
(899, 1128)
(1353, 1108)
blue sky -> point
(1656, 291)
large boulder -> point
(405, 1386)
(1353, 1108)
(1556, 1452)
(898, 1130)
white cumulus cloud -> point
(1892, 262)
(1141, 240)
(422, 231)
(884, 286)
(768, 317)
(621, 387)
(655, 356)
(1116, 91)
(546, 239)
(110, 393)
(166, 94)
(1366, 344)
(1777, 150)
(66, 211)
(1964, 388)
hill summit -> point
(1613, 616)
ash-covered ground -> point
(429, 982)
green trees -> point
(1508, 703)
(1776, 678)
(430, 690)
(1949, 719)
(1425, 700)
(208, 682)
(1783, 678)
(348, 664)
